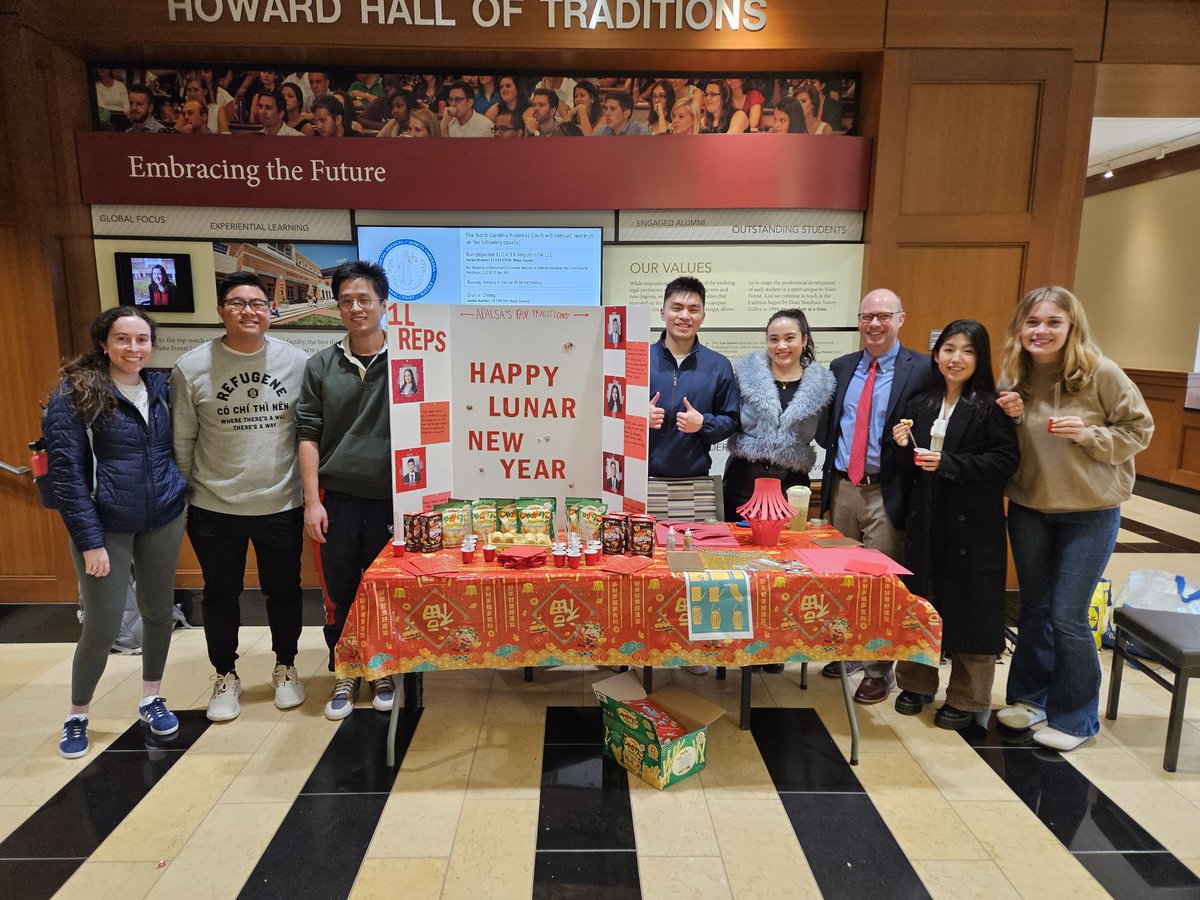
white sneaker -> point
(1057, 740)
(1020, 716)
(341, 702)
(383, 692)
(223, 705)
(289, 692)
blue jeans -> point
(1059, 557)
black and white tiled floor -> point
(501, 789)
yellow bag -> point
(1100, 609)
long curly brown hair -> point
(85, 379)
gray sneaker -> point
(289, 692)
(341, 702)
(223, 705)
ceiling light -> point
(1108, 172)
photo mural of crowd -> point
(222, 100)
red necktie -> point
(862, 426)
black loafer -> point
(910, 703)
(953, 719)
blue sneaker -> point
(74, 743)
(161, 720)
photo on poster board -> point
(408, 380)
(614, 329)
(615, 398)
(410, 469)
(614, 473)
(160, 282)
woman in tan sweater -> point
(1081, 421)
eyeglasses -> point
(240, 305)
(351, 302)
(458, 99)
(716, 93)
(500, 129)
(658, 95)
(884, 317)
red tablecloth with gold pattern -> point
(487, 616)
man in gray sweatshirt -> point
(233, 401)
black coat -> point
(954, 541)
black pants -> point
(359, 528)
(220, 541)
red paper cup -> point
(468, 557)
(397, 548)
(560, 560)
(489, 553)
(573, 560)
(591, 557)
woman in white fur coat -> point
(785, 397)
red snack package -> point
(665, 727)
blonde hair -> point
(693, 107)
(428, 119)
(1081, 356)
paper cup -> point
(489, 553)
(397, 548)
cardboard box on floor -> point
(630, 739)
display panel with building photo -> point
(297, 277)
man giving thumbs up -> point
(694, 402)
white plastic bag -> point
(1155, 589)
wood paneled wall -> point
(1174, 452)
(976, 193)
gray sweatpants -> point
(153, 555)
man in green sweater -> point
(342, 425)
(233, 401)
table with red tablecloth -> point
(484, 616)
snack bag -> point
(591, 520)
(506, 515)
(665, 727)
(535, 515)
(574, 506)
(483, 519)
(456, 521)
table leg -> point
(414, 690)
(529, 673)
(852, 715)
(648, 679)
(393, 720)
(804, 676)
(747, 687)
(720, 673)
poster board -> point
(508, 402)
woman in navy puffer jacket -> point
(108, 433)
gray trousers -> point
(153, 555)
(857, 512)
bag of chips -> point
(456, 521)
(536, 515)
(483, 519)
(584, 517)
(506, 514)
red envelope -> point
(626, 565)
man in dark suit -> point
(412, 475)
(862, 485)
